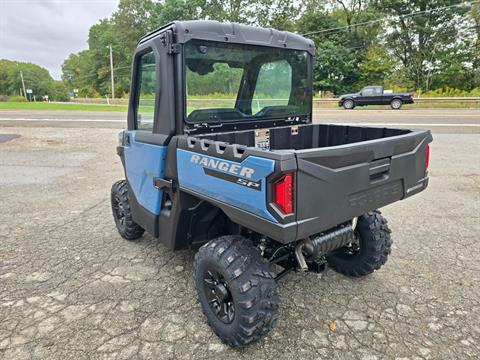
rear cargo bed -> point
(343, 171)
(307, 136)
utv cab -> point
(221, 155)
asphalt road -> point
(71, 288)
(440, 120)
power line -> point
(95, 76)
(442, 36)
(381, 20)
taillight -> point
(283, 194)
(427, 157)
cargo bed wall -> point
(308, 136)
(338, 183)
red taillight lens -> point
(283, 194)
(427, 157)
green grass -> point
(455, 105)
(56, 106)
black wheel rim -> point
(119, 211)
(218, 295)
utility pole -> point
(23, 85)
(111, 72)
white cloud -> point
(45, 32)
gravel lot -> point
(71, 288)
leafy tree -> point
(376, 67)
(36, 78)
(172, 10)
(78, 73)
(419, 33)
(475, 15)
(340, 43)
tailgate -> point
(336, 184)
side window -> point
(215, 88)
(367, 92)
(274, 85)
(145, 97)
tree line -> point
(419, 45)
(35, 78)
(416, 45)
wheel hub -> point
(120, 211)
(219, 296)
(221, 292)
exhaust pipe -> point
(324, 243)
(302, 263)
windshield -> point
(236, 82)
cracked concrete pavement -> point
(71, 288)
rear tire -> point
(348, 104)
(236, 289)
(371, 252)
(122, 212)
(396, 104)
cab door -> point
(367, 96)
(144, 150)
(377, 97)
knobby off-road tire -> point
(371, 252)
(236, 289)
(122, 212)
(348, 104)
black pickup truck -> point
(375, 95)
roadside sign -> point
(29, 91)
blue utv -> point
(221, 155)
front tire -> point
(122, 212)
(348, 104)
(371, 250)
(236, 289)
(396, 104)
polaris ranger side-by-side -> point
(245, 176)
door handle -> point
(126, 140)
(379, 170)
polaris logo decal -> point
(230, 168)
